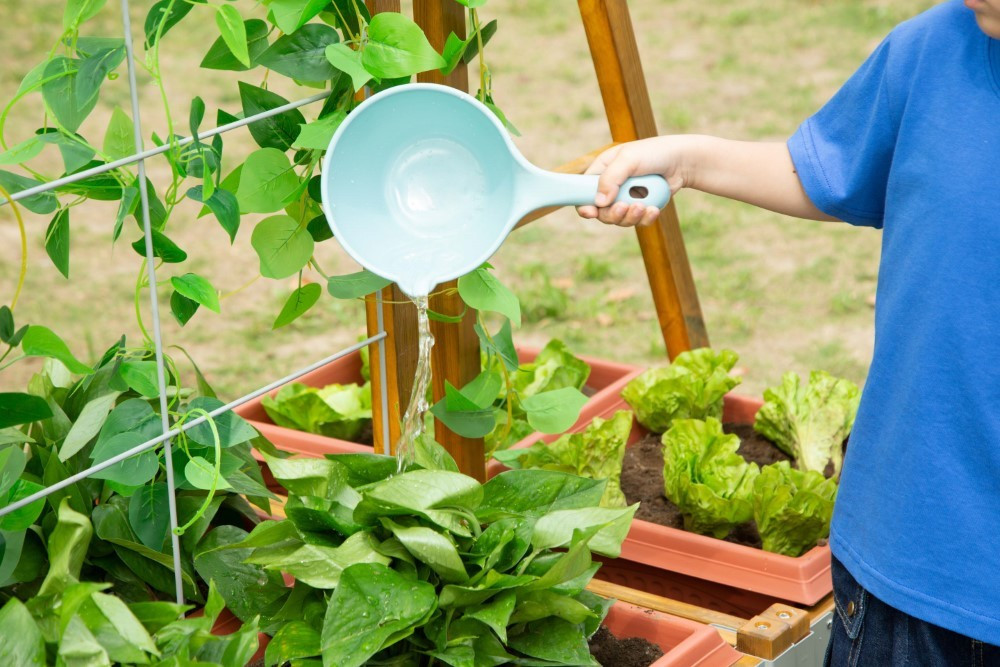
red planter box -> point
(684, 643)
(604, 375)
(804, 580)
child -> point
(909, 145)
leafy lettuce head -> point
(691, 387)
(336, 411)
(809, 423)
(555, 367)
(705, 477)
(792, 508)
(595, 453)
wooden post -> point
(630, 115)
(456, 347)
(400, 322)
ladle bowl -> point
(421, 184)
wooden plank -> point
(455, 356)
(576, 166)
(630, 116)
(400, 323)
(666, 605)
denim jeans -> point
(869, 633)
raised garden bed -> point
(681, 643)
(805, 579)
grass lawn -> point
(785, 294)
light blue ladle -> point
(421, 184)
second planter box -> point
(804, 580)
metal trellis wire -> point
(139, 158)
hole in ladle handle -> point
(638, 192)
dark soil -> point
(642, 479)
(367, 435)
(611, 651)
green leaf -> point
(462, 415)
(355, 285)
(201, 474)
(248, 589)
(17, 408)
(122, 622)
(232, 428)
(88, 424)
(706, 478)
(692, 387)
(322, 566)
(554, 639)
(197, 289)
(23, 151)
(792, 508)
(78, 646)
(60, 93)
(554, 411)
(118, 139)
(810, 422)
(471, 4)
(266, 181)
(159, 20)
(397, 48)
(482, 291)
(301, 55)
(80, 11)
(432, 548)
(67, 548)
(22, 519)
(535, 493)
(557, 529)
(233, 32)
(290, 15)
(182, 307)
(42, 203)
(12, 462)
(300, 301)
(23, 644)
(40, 341)
(317, 134)
(278, 131)
(92, 72)
(348, 61)
(283, 246)
(372, 606)
(220, 56)
(148, 514)
(133, 471)
(294, 640)
(163, 248)
(140, 376)
(336, 411)
(223, 205)
(7, 325)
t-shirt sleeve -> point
(843, 153)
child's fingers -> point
(634, 215)
(649, 216)
(611, 179)
(614, 214)
(589, 212)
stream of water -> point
(413, 419)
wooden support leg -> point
(456, 347)
(630, 115)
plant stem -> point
(138, 309)
(240, 288)
(482, 56)
(24, 246)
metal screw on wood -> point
(783, 615)
(763, 626)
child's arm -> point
(761, 174)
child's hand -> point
(616, 165)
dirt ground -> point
(786, 294)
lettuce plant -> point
(336, 411)
(792, 508)
(705, 477)
(596, 453)
(431, 566)
(810, 422)
(691, 387)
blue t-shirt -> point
(911, 145)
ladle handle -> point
(553, 189)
